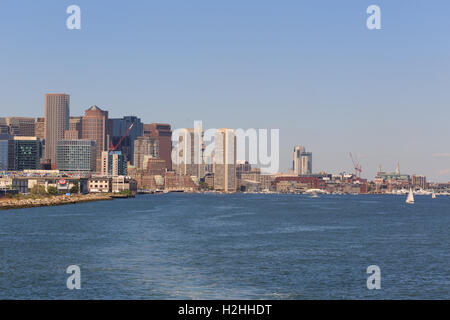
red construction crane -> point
(356, 165)
(114, 148)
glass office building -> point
(24, 153)
(76, 155)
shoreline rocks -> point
(8, 204)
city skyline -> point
(320, 76)
(299, 151)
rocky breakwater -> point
(6, 204)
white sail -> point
(410, 198)
(433, 196)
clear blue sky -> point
(310, 68)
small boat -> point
(410, 198)
(314, 195)
(433, 195)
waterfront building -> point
(24, 153)
(145, 147)
(100, 185)
(119, 127)
(94, 127)
(419, 181)
(162, 132)
(225, 160)
(154, 167)
(57, 112)
(76, 155)
(114, 163)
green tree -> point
(75, 188)
(38, 190)
(52, 190)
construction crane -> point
(356, 165)
(114, 148)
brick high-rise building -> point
(21, 126)
(75, 125)
(57, 112)
(162, 132)
(145, 146)
(39, 128)
(94, 127)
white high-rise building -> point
(302, 161)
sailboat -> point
(433, 195)
(410, 198)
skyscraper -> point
(39, 128)
(162, 132)
(113, 164)
(225, 160)
(189, 157)
(119, 127)
(297, 159)
(57, 112)
(302, 161)
(94, 127)
(24, 153)
(306, 163)
(145, 146)
(75, 125)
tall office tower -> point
(189, 158)
(162, 132)
(4, 128)
(75, 125)
(302, 161)
(39, 128)
(114, 164)
(57, 112)
(4, 142)
(95, 127)
(297, 160)
(225, 160)
(145, 147)
(76, 155)
(21, 126)
(119, 127)
(24, 153)
(306, 163)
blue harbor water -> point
(205, 246)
